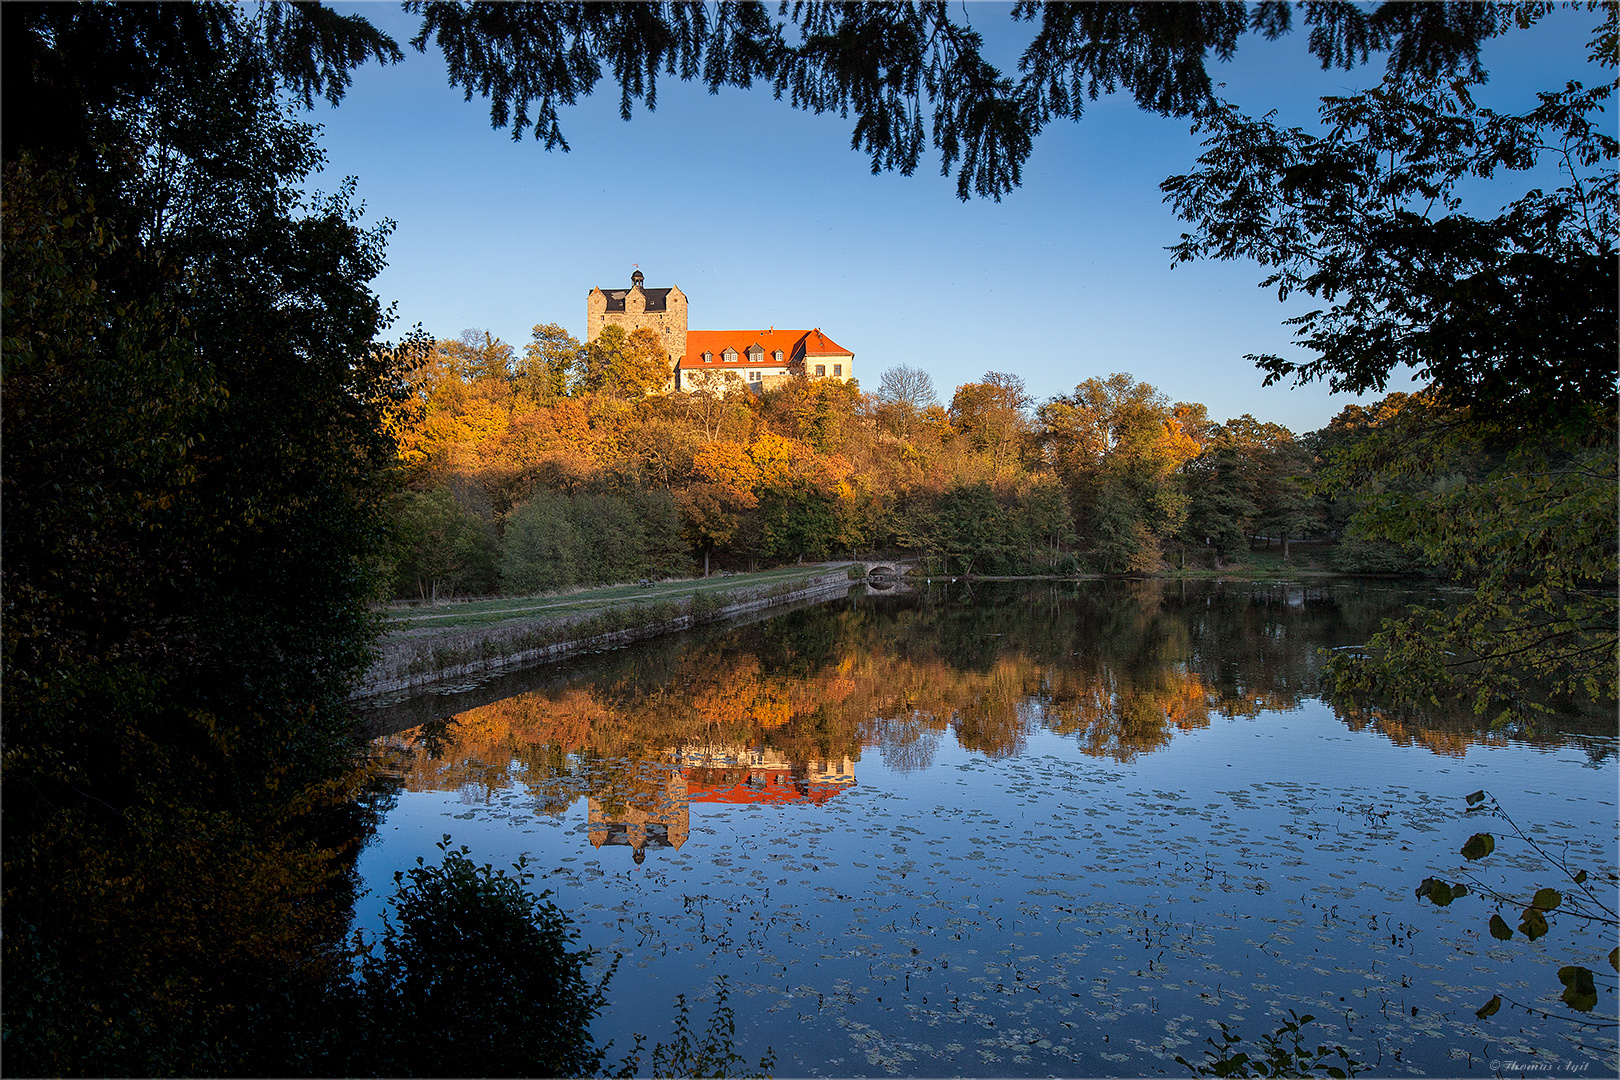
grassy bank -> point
(449, 640)
(573, 602)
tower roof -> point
(657, 299)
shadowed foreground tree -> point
(891, 65)
(1511, 320)
(193, 416)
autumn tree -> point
(722, 488)
(1119, 445)
(993, 415)
(626, 365)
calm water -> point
(1032, 829)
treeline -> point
(557, 466)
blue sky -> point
(764, 216)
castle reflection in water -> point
(713, 774)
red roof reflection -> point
(755, 786)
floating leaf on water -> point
(1479, 845)
(1547, 899)
(1489, 1008)
(1500, 929)
(1580, 993)
(1534, 924)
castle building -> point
(715, 359)
(662, 311)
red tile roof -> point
(818, 344)
(792, 343)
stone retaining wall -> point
(459, 654)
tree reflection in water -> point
(767, 712)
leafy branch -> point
(1581, 902)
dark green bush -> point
(474, 975)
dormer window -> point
(729, 356)
(777, 356)
(708, 358)
(755, 354)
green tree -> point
(1222, 485)
(798, 520)
(972, 528)
(666, 554)
(617, 548)
(1046, 523)
(550, 363)
(1511, 320)
(440, 547)
(543, 549)
(1356, 551)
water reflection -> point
(783, 710)
(1016, 830)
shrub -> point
(476, 977)
(708, 605)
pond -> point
(1026, 829)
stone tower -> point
(661, 310)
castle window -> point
(777, 356)
(708, 358)
(821, 371)
(729, 356)
(838, 369)
(754, 376)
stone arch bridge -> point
(885, 568)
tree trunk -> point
(705, 562)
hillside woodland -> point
(541, 470)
